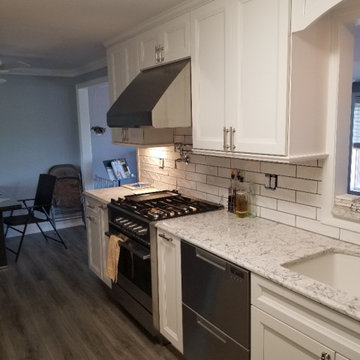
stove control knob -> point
(142, 231)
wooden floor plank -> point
(53, 307)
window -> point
(354, 158)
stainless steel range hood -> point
(158, 97)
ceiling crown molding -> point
(92, 66)
(157, 20)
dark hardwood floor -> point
(53, 307)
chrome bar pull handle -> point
(157, 48)
(232, 135)
(169, 239)
(325, 356)
(225, 132)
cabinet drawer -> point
(217, 291)
(203, 341)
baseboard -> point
(60, 224)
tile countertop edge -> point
(261, 246)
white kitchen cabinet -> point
(274, 340)
(214, 58)
(123, 66)
(271, 103)
(96, 226)
(170, 298)
(304, 12)
(166, 43)
(285, 325)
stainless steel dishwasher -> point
(216, 306)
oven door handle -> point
(135, 248)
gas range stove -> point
(134, 213)
(136, 288)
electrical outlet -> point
(271, 181)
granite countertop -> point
(261, 246)
(105, 195)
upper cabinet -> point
(166, 43)
(214, 60)
(123, 66)
(258, 91)
(304, 12)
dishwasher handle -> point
(211, 259)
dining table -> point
(7, 203)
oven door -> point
(134, 271)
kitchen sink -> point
(336, 269)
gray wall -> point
(38, 129)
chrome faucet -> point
(184, 154)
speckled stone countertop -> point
(261, 246)
(105, 195)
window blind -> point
(356, 122)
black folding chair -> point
(37, 213)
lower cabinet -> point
(96, 226)
(170, 298)
(285, 325)
(277, 341)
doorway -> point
(96, 146)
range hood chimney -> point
(158, 97)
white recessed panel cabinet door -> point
(212, 52)
(166, 43)
(274, 340)
(304, 12)
(263, 81)
(170, 298)
(123, 66)
(175, 38)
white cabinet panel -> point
(123, 66)
(166, 43)
(274, 340)
(212, 51)
(96, 226)
(176, 38)
(263, 90)
(170, 298)
(148, 43)
(93, 236)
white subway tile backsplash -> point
(297, 184)
(278, 216)
(196, 177)
(317, 226)
(248, 165)
(257, 178)
(183, 131)
(185, 167)
(177, 173)
(209, 189)
(296, 202)
(278, 169)
(198, 159)
(218, 161)
(224, 172)
(266, 202)
(218, 181)
(308, 199)
(350, 236)
(206, 169)
(186, 184)
(179, 139)
(282, 194)
(297, 209)
(307, 172)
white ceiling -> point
(68, 34)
